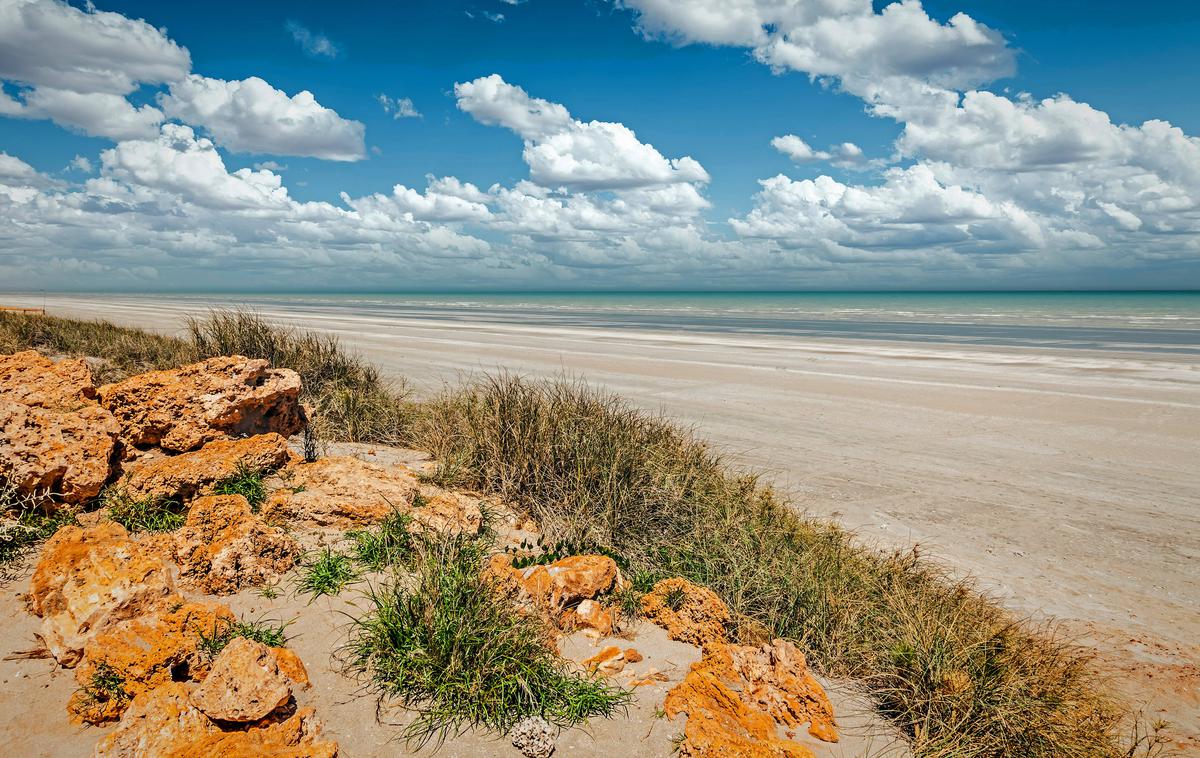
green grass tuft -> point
(269, 633)
(106, 685)
(24, 524)
(388, 544)
(149, 514)
(326, 573)
(246, 481)
(448, 645)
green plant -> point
(675, 598)
(270, 592)
(270, 633)
(385, 545)
(326, 573)
(448, 645)
(105, 685)
(246, 481)
(540, 553)
(629, 603)
(24, 522)
(148, 514)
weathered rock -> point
(298, 736)
(557, 585)
(339, 492)
(534, 737)
(157, 723)
(589, 615)
(147, 652)
(448, 512)
(32, 379)
(608, 662)
(89, 579)
(181, 409)
(690, 613)
(59, 455)
(731, 713)
(291, 667)
(245, 683)
(182, 477)
(224, 547)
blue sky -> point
(1002, 191)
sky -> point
(599, 144)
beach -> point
(1064, 479)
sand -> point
(1067, 482)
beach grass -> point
(448, 644)
(269, 633)
(954, 670)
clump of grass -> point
(675, 598)
(246, 481)
(327, 573)
(629, 603)
(106, 685)
(448, 645)
(148, 514)
(24, 523)
(388, 544)
(957, 673)
(269, 633)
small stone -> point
(534, 737)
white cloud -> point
(562, 151)
(81, 163)
(315, 45)
(800, 151)
(398, 108)
(251, 116)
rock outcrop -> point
(690, 613)
(157, 723)
(89, 579)
(734, 696)
(30, 378)
(59, 456)
(339, 492)
(245, 684)
(181, 409)
(298, 736)
(182, 477)
(223, 547)
(439, 510)
(557, 585)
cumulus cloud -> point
(800, 151)
(398, 107)
(251, 116)
(562, 151)
(315, 45)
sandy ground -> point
(1067, 482)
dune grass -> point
(447, 644)
(148, 514)
(956, 672)
(212, 642)
(325, 573)
(246, 481)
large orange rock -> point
(146, 652)
(734, 696)
(245, 683)
(181, 409)
(156, 724)
(89, 579)
(223, 547)
(298, 736)
(58, 455)
(182, 477)
(690, 613)
(557, 585)
(32, 379)
(339, 492)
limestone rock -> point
(339, 492)
(608, 662)
(734, 695)
(291, 667)
(589, 615)
(245, 683)
(298, 736)
(224, 547)
(156, 724)
(29, 378)
(534, 737)
(182, 477)
(89, 579)
(65, 455)
(181, 409)
(690, 613)
(147, 652)
(560, 584)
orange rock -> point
(29, 378)
(690, 613)
(558, 585)
(156, 723)
(147, 652)
(89, 579)
(447, 512)
(224, 547)
(590, 615)
(181, 409)
(182, 477)
(296, 737)
(61, 456)
(608, 662)
(339, 492)
(245, 683)
(633, 656)
(291, 666)
(734, 695)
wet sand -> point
(1067, 482)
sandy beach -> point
(1065, 481)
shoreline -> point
(1077, 505)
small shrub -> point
(149, 514)
(629, 603)
(326, 574)
(106, 685)
(459, 653)
(269, 633)
(675, 598)
(246, 481)
(23, 524)
(387, 544)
